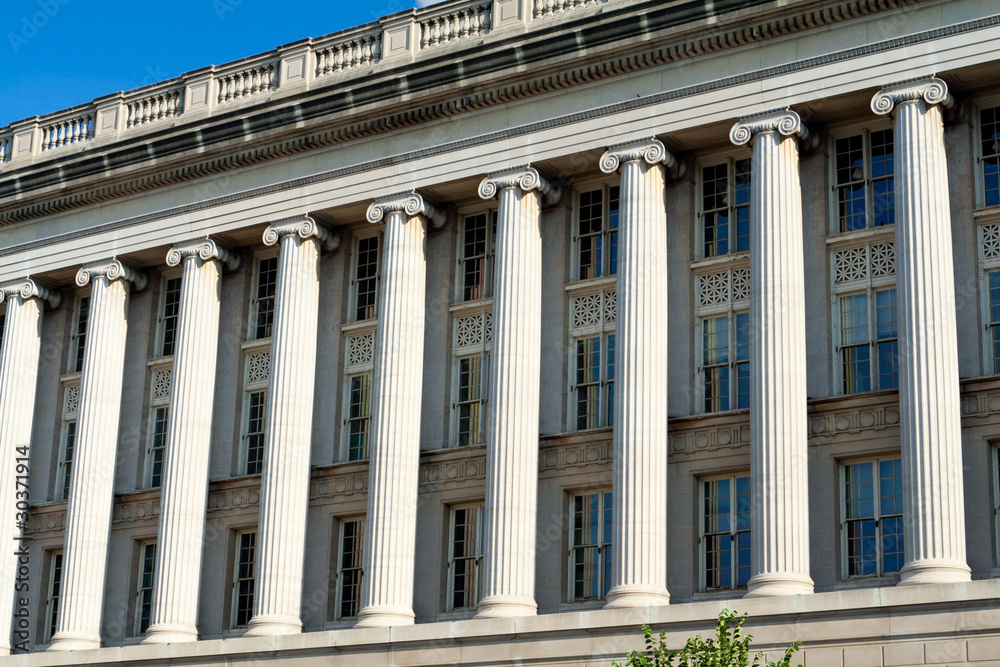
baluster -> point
(376, 49)
(154, 108)
(322, 62)
(424, 36)
(366, 52)
(171, 104)
(271, 80)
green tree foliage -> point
(730, 648)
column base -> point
(774, 585)
(68, 641)
(631, 595)
(273, 624)
(506, 606)
(384, 617)
(170, 633)
(934, 572)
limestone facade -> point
(620, 321)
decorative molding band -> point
(783, 121)
(303, 226)
(339, 485)
(233, 499)
(575, 455)
(141, 510)
(735, 435)
(481, 100)
(27, 288)
(205, 249)
(651, 150)
(931, 90)
(875, 418)
(453, 471)
(112, 269)
(527, 178)
(412, 203)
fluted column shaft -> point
(929, 408)
(91, 491)
(284, 493)
(397, 388)
(513, 391)
(639, 469)
(22, 341)
(174, 616)
(779, 470)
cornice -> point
(411, 203)
(27, 288)
(526, 178)
(302, 226)
(240, 126)
(931, 90)
(205, 249)
(112, 269)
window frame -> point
(78, 339)
(140, 589)
(252, 350)
(478, 315)
(987, 266)
(338, 602)
(977, 149)
(606, 291)
(843, 132)
(253, 311)
(484, 357)
(734, 530)
(731, 307)
(995, 460)
(353, 282)
(489, 259)
(161, 314)
(365, 366)
(55, 557)
(605, 185)
(68, 422)
(155, 404)
(875, 460)
(730, 158)
(604, 548)
(478, 541)
(235, 579)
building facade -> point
(485, 333)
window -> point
(725, 532)
(864, 180)
(471, 404)
(359, 416)
(171, 315)
(590, 551)
(256, 416)
(54, 594)
(262, 306)
(464, 557)
(868, 329)
(478, 245)
(725, 208)
(594, 386)
(726, 362)
(993, 278)
(349, 568)
(159, 414)
(3, 321)
(243, 578)
(989, 156)
(67, 443)
(996, 498)
(597, 232)
(157, 445)
(365, 283)
(79, 337)
(873, 517)
(144, 587)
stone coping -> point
(870, 614)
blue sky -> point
(55, 54)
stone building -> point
(484, 333)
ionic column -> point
(779, 489)
(394, 450)
(512, 386)
(284, 495)
(929, 412)
(639, 528)
(91, 490)
(189, 439)
(19, 353)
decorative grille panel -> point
(72, 401)
(259, 367)
(713, 289)
(586, 310)
(610, 307)
(991, 241)
(360, 349)
(474, 330)
(161, 383)
(851, 264)
(741, 284)
(883, 258)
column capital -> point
(204, 248)
(527, 178)
(931, 90)
(412, 203)
(783, 121)
(651, 150)
(112, 269)
(27, 288)
(305, 227)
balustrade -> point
(248, 82)
(545, 8)
(68, 131)
(164, 104)
(460, 24)
(357, 52)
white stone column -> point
(930, 419)
(779, 455)
(189, 438)
(639, 528)
(19, 354)
(397, 388)
(91, 490)
(513, 390)
(284, 496)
